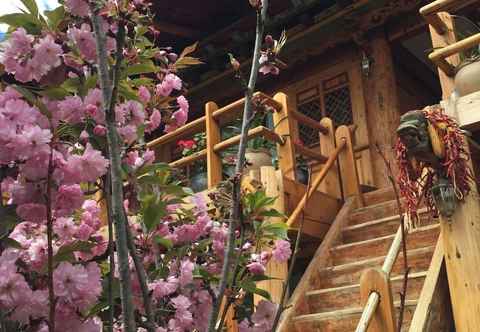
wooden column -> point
(383, 319)
(214, 162)
(273, 185)
(383, 114)
(283, 124)
(331, 184)
(348, 169)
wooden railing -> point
(375, 284)
(284, 134)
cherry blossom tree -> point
(95, 234)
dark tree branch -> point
(236, 211)
(406, 268)
(109, 91)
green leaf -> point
(271, 213)
(189, 49)
(142, 68)
(250, 286)
(126, 91)
(279, 230)
(167, 243)
(187, 62)
(65, 253)
(11, 243)
(55, 17)
(32, 99)
(57, 93)
(31, 5)
(153, 212)
(27, 21)
(8, 219)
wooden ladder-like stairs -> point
(333, 294)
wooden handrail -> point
(309, 153)
(255, 132)
(308, 121)
(227, 113)
(189, 159)
(189, 129)
(323, 173)
(439, 5)
(439, 56)
(374, 297)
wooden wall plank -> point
(283, 124)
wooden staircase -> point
(331, 299)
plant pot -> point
(257, 158)
(467, 79)
(199, 182)
(302, 175)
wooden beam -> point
(298, 302)
(214, 162)
(189, 129)
(308, 121)
(177, 30)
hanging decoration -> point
(431, 154)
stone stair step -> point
(420, 237)
(343, 297)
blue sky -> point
(11, 6)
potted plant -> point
(467, 77)
(197, 172)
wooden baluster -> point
(214, 162)
(331, 184)
(383, 319)
(284, 127)
(348, 169)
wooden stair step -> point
(420, 237)
(349, 273)
(373, 212)
(380, 227)
(343, 320)
(379, 196)
(330, 299)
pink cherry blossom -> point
(72, 109)
(162, 288)
(186, 272)
(77, 7)
(169, 83)
(144, 94)
(128, 133)
(256, 268)
(154, 121)
(282, 251)
(87, 167)
(32, 212)
(65, 228)
(100, 130)
(69, 198)
(265, 314)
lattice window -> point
(338, 106)
(311, 109)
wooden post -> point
(214, 162)
(331, 184)
(375, 280)
(383, 111)
(273, 185)
(283, 124)
(461, 234)
(442, 40)
(348, 169)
